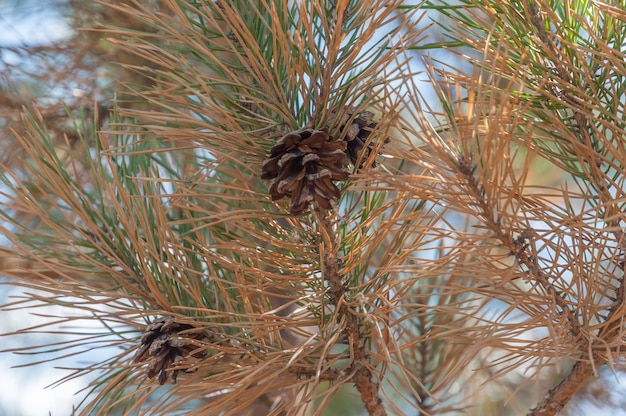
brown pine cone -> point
(303, 166)
(165, 343)
(356, 134)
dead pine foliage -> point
(280, 202)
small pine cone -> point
(303, 166)
(165, 343)
(357, 133)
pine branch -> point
(358, 367)
(573, 109)
(281, 205)
(560, 395)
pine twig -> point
(561, 394)
(523, 258)
(362, 376)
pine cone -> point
(357, 133)
(303, 165)
(165, 343)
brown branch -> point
(561, 394)
(362, 376)
(490, 219)
(584, 369)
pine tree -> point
(274, 210)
